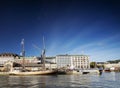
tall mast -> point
(43, 43)
(23, 50)
(43, 54)
(23, 53)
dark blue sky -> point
(89, 27)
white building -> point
(73, 61)
(112, 65)
(51, 59)
(5, 57)
(27, 60)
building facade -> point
(112, 65)
(51, 59)
(31, 63)
(5, 57)
(70, 61)
(73, 61)
(27, 60)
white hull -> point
(33, 73)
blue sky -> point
(90, 27)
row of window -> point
(76, 66)
(74, 57)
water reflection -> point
(80, 81)
(110, 76)
(20, 81)
(106, 80)
(24, 82)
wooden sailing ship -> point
(43, 71)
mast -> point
(23, 53)
(43, 54)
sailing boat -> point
(44, 71)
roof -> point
(9, 54)
(50, 57)
(72, 55)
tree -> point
(114, 61)
(93, 65)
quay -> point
(78, 72)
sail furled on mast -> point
(43, 51)
(23, 50)
(43, 55)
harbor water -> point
(106, 80)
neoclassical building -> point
(5, 57)
(18, 61)
(15, 58)
(73, 61)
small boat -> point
(69, 72)
(76, 72)
(61, 72)
(86, 72)
(90, 71)
(107, 70)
